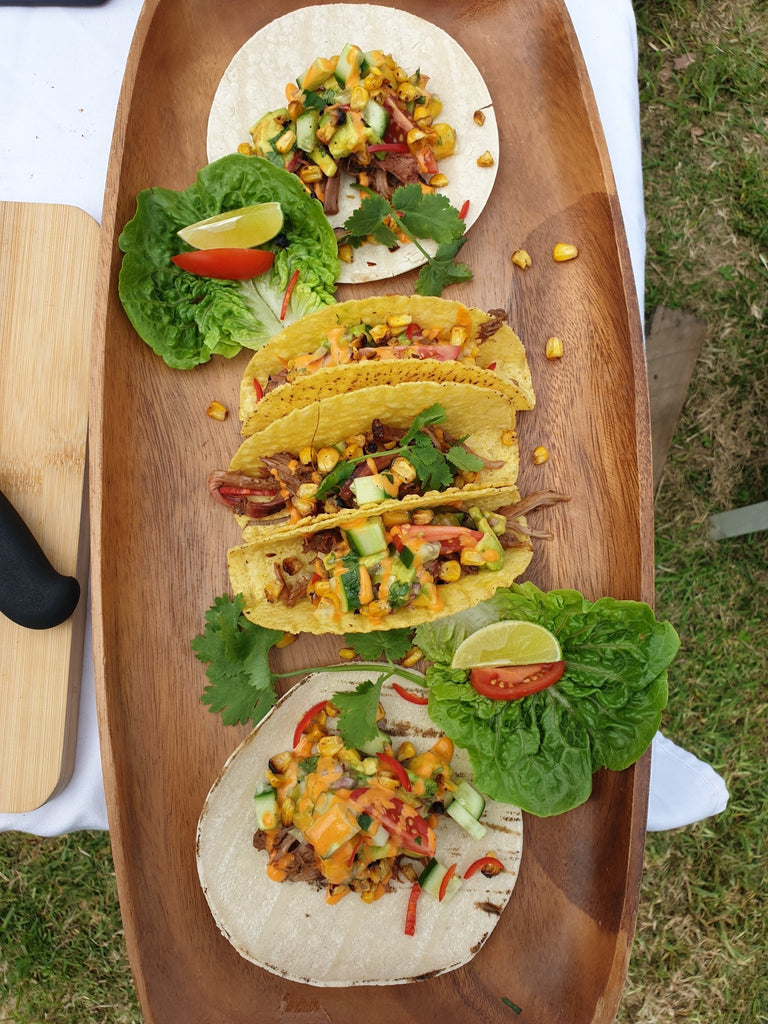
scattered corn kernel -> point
(286, 640)
(479, 117)
(411, 657)
(449, 571)
(245, 149)
(286, 142)
(406, 751)
(346, 253)
(358, 98)
(540, 455)
(216, 411)
(327, 459)
(438, 181)
(295, 109)
(306, 455)
(403, 470)
(388, 781)
(470, 556)
(346, 653)
(399, 320)
(329, 746)
(509, 437)
(521, 259)
(303, 506)
(423, 516)
(554, 348)
(564, 251)
(395, 517)
(485, 159)
(309, 173)
(369, 766)
(287, 808)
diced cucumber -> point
(367, 489)
(306, 127)
(462, 817)
(470, 799)
(490, 541)
(366, 536)
(431, 879)
(377, 745)
(346, 586)
(376, 117)
(348, 64)
(267, 812)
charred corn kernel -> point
(554, 348)
(403, 470)
(286, 142)
(358, 439)
(346, 653)
(380, 331)
(372, 81)
(422, 115)
(278, 763)
(388, 781)
(353, 451)
(369, 766)
(304, 506)
(414, 135)
(408, 871)
(442, 138)
(286, 640)
(327, 459)
(245, 149)
(295, 109)
(378, 609)
(346, 253)
(329, 746)
(411, 657)
(274, 779)
(380, 713)
(401, 75)
(479, 117)
(470, 556)
(540, 455)
(485, 159)
(306, 490)
(370, 896)
(521, 258)
(216, 411)
(398, 321)
(323, 587)
(273, 590)
(306, 455)
(331, 711)
(407, 92)
(287, 808)
(358, 97)
(310, 173)
(564, 251)
(363, 179)
(395, 517)
(423, 516)
(351, 757)
(509, 437)
(449, 571)
(405, 751)
(438, 181)
(293, 94)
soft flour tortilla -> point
(503, 351)
(288, 928)
(252, 567)
(480, 415)
(281, 52)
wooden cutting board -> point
(47, 275)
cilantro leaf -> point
(428, 417)
(357, 712)
(368, 219)
(342, 471)
(241, 686)
(431, 467)
(427, 214)
(463, 460)
(441, 270)
(390, 643)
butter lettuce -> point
(186, 319)
(540, 752)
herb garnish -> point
(418, 215)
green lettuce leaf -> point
(540, 752)
(186, 319)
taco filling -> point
(359, 820)
(358, 113)
(381, 464)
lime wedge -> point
(507, 643)
(236, 229)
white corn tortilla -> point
(255, 81)
(287, 927)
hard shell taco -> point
(308, 850)
(390, 569)
(388, 339)
(376, 446)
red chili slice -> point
(259, 390)
(444, 884)
(410, 916)
(394, 765)
(388, 147)
(414, 698)
(483, 862)
(288, 292)
(464, 209)
(305, 719)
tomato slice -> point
(450, 538)
(403, 822)
(510, 682)
(225, 264)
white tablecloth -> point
(60, 75)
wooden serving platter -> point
(561, 948)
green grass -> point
(699, 949)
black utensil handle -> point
(32, 593)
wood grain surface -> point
(561, 948)
(48, 257)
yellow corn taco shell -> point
(254, 569)
(502, 350)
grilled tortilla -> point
(288, 928)
(388, 339)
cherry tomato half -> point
(225, 264)
(403, 822)
(510, 682)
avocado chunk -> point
(350, 137)
(265, 133)
(489, 542)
